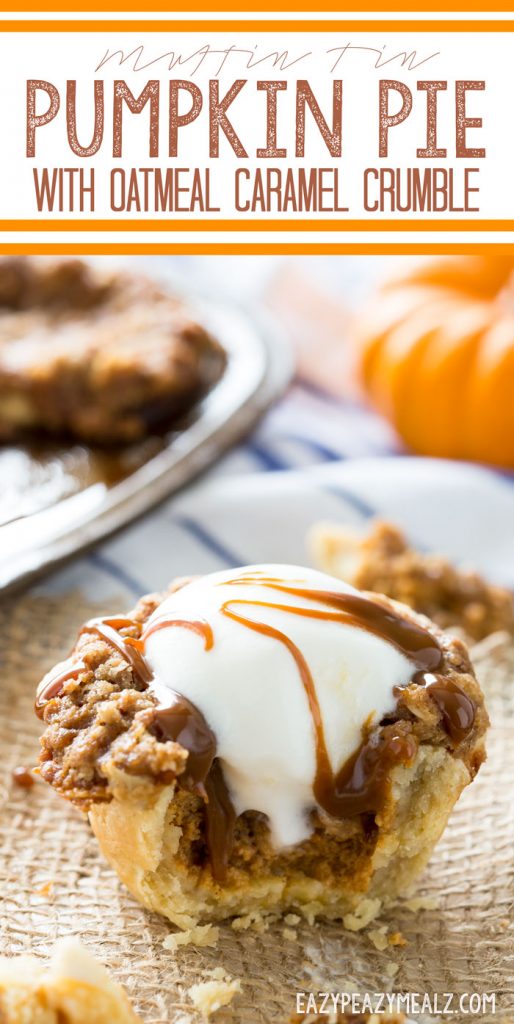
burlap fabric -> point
(54, 881)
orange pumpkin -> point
(436, 354)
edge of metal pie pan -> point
(258, 369)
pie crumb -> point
(420, 903)
(392, 969)
(363, 914)
(201, 935)
(379, 938)
(253, 920)
(46, 890)
(209, 996)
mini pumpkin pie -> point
(96, 356)
(73, 989)
(262, 740)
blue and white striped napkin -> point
(312, 457)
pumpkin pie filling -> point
(254, 793)
(95, 356)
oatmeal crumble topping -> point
(382, 561)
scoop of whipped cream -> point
(249, 682)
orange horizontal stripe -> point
(257, 26)
(265, 6)
(253, 224)
(253, 249)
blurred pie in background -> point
(100, 357)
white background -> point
(59, 56)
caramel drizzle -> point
(458, 710)
(413, 641)
(130, 648)
(53, 688)
(361, 784)
(107, 629)
(199, 626)
(175, 718)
